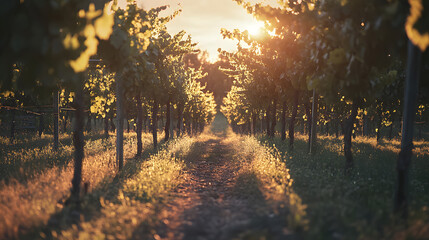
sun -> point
(255, 28)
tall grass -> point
(359, 205)
(28, 204)
(25, 158)
(127, 206)
(273, 178)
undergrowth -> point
(125, 207)
(26, 157)
(28, 202)
(359, 205)
(273, 179)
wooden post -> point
(106, 126)
(171, 124)
(56, 98)
(139, 125)
(410, 102)
(41, 123)
(180, 128)
(12, 126)
(155, 123)
(348, 132)
(292, 120)
(313, 121)
(268, 118)
(120, 122)
(251, 123)
(283, 129)
(167, 121)
(65, 122)
(78, 143)
(274, 118)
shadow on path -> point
(217, 200)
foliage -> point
(101, 91)
(53, 47)
(416, 25)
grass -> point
(358, 206)
(290, 191)
(25, 158)
(126, 206)
(25, 205)
(267, 167)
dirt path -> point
(201, 203)
(210, 204)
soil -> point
(214, 201)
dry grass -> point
(273, 176)
(25, 205)
(131, 211)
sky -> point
(203, 20)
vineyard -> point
(314, 125)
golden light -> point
(272, 33)
(256, 28)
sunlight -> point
(272, 33)
(256, 28)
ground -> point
(215, 185)
(210, 203)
